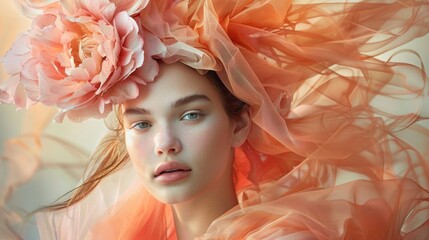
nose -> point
(166, 142)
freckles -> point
(201, 140)
(138, 151)
(137, 143)
(207, 134)
(213, 137)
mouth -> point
(168, 171)
(171, 172)
(171, 167)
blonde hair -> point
(109, 156)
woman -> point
(180, 140)
(317, 154)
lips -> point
(170, 167)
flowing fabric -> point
(338, 147)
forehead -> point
(174, 81)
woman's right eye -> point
(141, 125)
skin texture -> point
(180, 118)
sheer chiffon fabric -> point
(338, 146)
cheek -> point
(214, 140)
(138, 149)
(215, 158)
(214, 143)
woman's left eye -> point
(141, 125)
(191, 116)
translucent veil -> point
(339, 141)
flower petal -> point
(33, 8)
(131, 7)
(122, 91)
(17, 55)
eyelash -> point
(136, 125)
(139, 126)
(198, 115)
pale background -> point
(48, 185)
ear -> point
(242, 127)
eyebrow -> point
(188, 99)
(178, 103)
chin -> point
(171, 200)
(171, 196)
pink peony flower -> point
(79, 57)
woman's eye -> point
(191, 116)
(141, 125)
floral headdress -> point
(81, 56)
(86, 56)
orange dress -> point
(339, 142)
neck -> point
(193, 217)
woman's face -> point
(178, 135)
